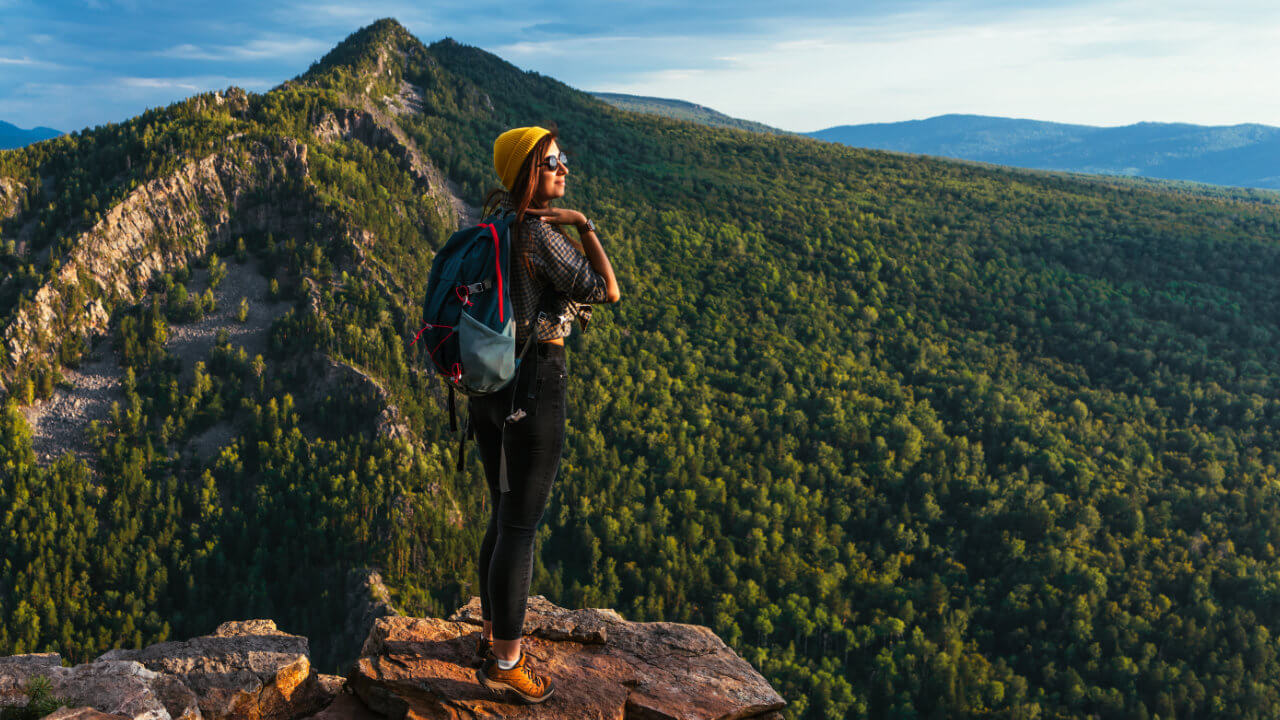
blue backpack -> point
(468, 321)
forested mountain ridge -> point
(1243, 155)
(683, 110)
(914, 437)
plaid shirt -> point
(551, 259)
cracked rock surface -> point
(602, 666)
(244, 671)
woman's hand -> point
(590, 244)
(559, 216)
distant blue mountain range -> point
(1241, 155)
(12, 136)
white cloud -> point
(1126, 63)
(621, 45)
(26, 61)
(1103, 62)
(190, 85)
(344, 13)
(165, 83)
(529, 49)
(252, 50)
(348, 16)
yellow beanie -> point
(510, 150)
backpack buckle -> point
(464, 291)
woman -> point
(553, 275)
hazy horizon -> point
(74, 65)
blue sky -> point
(799, 66)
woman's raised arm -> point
(591, 246)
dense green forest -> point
(916, 438)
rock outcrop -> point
(11, 192)
(602, 665)
(360, 387)
(377, 130)
(159, 226)
(243, 671)
(407, 101)
(411, 668)
(367, 600)
(378, 134)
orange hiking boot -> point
(522, 679)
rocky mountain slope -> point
(173, 221)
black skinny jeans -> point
(533, 447)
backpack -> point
(468, 320)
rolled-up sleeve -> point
(569, 270)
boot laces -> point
(529, 674)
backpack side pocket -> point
(488, 357)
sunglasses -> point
(554, 162)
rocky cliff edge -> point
(422, 668)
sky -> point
(799, 66)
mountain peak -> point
(365, 52)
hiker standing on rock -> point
(553, 280)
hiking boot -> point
(521, 679)
(483, 647)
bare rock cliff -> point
(379, 131)
(158, 227)
(11, 193)
(244, 670)
(602, 666)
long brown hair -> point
(522, 192)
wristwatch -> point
(591, 227)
